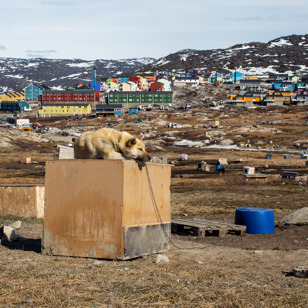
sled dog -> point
(108, 143)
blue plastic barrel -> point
(257, 220)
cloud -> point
(39, 53)
(42, 51)
(2, 47)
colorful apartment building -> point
(64, 109)
(77, 96)
(34, 90)
(139, 97)
(108, 110)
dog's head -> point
(135, 149)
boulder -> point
(299, 217)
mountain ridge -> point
(286, 54)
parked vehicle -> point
(36, 124)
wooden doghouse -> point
(108, 209)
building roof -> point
(187, 78)
(41, 86)
(9, 102)
(101, 106)
(250, 81)
(140, 92)
(65, 104)
(69, 91)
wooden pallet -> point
(204, 228)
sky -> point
(124, 29)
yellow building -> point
(282, 93)
(124, 86)
(143, 83)
(12, 96)
(246, 98)
(112, 85)
(64, 109)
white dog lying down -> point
(7, 233)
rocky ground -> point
(196, 271)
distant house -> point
(143, 83)
(95, 85)
(276, 100)
(237, 76)
(124, 86)
(300, 99)
(133, 86)
(166, 84)
(287, 92)
(136, 80)
(34, 90)
(247, 98)
(108, 109)
(9, 106)
(250, 85)
(150, 78)
(123, 79)
(283, 85)
(24, 106)
(133, 110)
(215, 76)
(156, 86)
(186, 81)
(277, 77)
(112, 86)
(304, 78)
(301, 85)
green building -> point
(139, 97)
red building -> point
(157, 86)
(86, 95)
(135, 79)
(150, 78)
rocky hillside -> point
(16, 74)
(285, 54)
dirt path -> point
(200, 273)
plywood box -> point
(65, 152)
(22, 200)
(104, 209)
(26, 160)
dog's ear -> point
(131, 142)
(1, 231)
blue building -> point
(109, 109)
(95, 84)
(24, 106)
(282, 85)
(14, 106)
(9, 106)
(133, 110)
(123, 79)
(237, 76)
(33, 91)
